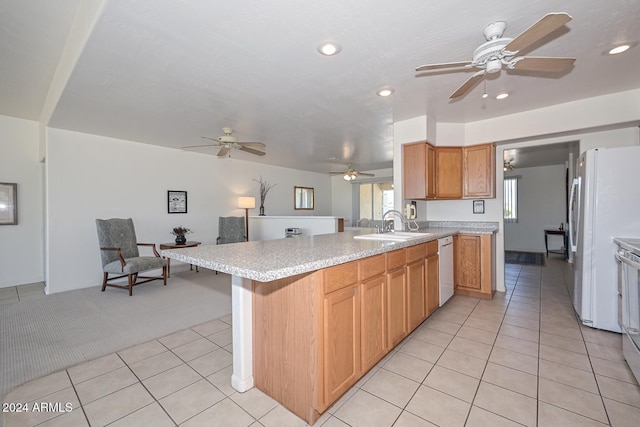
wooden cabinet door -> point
(479, 171)
(432, 283)
(418, 171)
(341, 339)
(397, 327)
(416, 293)
(414, 169)
(468, 261)
(373, 310)
(448, 172)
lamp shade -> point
(246, 202)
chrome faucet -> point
(390, 227)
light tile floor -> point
(520, 359)
(17, 293)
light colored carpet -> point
(39, 336)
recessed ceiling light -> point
(502, 95)
(619, 49)
(385, 91)
(329, 48)
(485, 95)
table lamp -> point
(246, 203)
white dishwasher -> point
(445, 267)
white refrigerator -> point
(604, 203)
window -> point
(511, 199)
(375, 198)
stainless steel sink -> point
(394, 236)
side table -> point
(176, 246)
(564, 251)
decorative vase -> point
(261, 210)
(181, 239)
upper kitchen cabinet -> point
(431, 173)
(419, 171)
(448, 172)
(479, 171)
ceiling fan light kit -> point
(498, 52)
(350, 174)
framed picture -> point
(8, 203)
(177, 201)
(478, 206)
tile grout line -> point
(86, 417)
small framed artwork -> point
(478, 206)
(8, 203)
(177, 201)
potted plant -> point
(180, 233)
(264, 189)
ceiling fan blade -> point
(444, 65)
(365, 174)
(468, 85)
(223, 152)
(251, 150)
(336, 173)
(546, 25)
(252, 144)
(199, 147)
(541, 63)
(212, 139)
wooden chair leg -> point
(104, 282)
(131, 280)
(164, 275)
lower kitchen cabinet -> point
(431, 274)
(341, 358)
(474, 265)
(316, 334)
(373, 329)
(397, 327)
(416, 286)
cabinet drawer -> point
(340, 276)
(371, 266)
(416, 252)
(396, 259)
(432, 248)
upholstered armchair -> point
(120, 255)
(231, 230)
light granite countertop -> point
(268, 260)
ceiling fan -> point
(498, 52)
(350, 174)
(508, 166)
(227, 142)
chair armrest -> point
(122, 261)
(152, 245)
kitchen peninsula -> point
(312, 315)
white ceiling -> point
(167, 72)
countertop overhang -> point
(268, 260)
